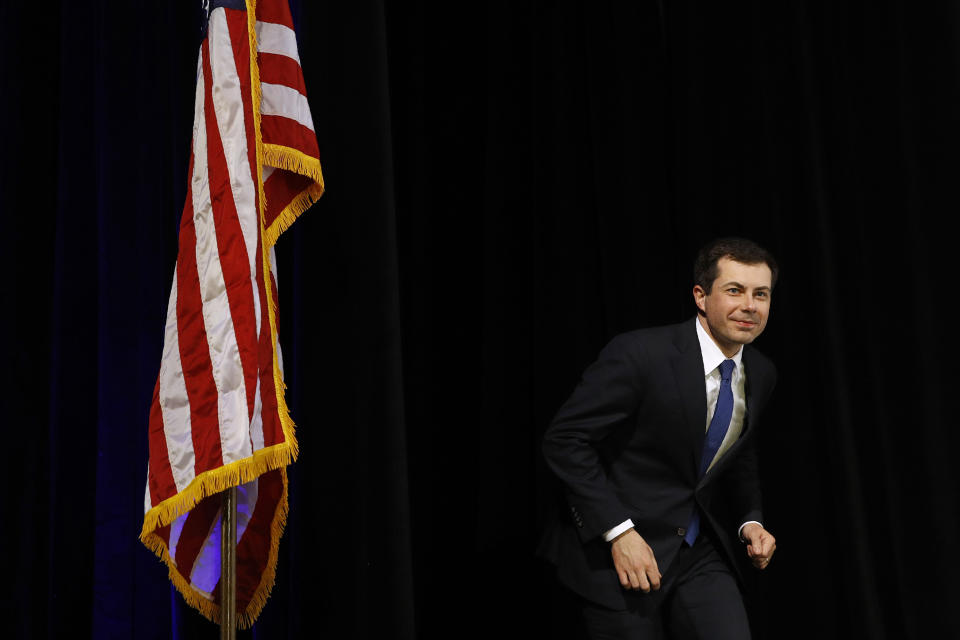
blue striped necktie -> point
(719, 425)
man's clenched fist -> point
(634, 561)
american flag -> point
(218, 418)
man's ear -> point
(698, 298)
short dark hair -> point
(737, 249)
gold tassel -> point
(303, 201)
(215, 481)
(208, 609)
(260, 595)
(293, 160)
(211, 610)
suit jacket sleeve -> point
(606, 398)
(743, 488)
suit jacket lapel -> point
(688, 373)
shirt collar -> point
(712, 356)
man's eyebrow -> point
(734, 283)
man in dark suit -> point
(656, 450)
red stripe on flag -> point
(273, 429)
(231, 247)
(194, 349)
(274, 11)
(280, 190)
(289, 133)
(238, 31)
(160, 478)
(253, 550)
(279, 69)
(194, 533)
(270, 418)
(237, 22)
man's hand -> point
(636, 566)
(760, 544)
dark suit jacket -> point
(627, 444)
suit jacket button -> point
(681, 532)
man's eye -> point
(733, 290)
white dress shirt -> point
(712, 357)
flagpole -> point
(228, 566)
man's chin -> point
(741, 336)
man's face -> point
(736, 308)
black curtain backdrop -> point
(509, 185)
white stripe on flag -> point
(205, 573)
(221, 338)
(176, 528)
(256, 425)
(227, 103)
(174, 402)
(281, 100)
(206, 568)
(147, 504)
(278, 39)
(247, 495)
(273, 266)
